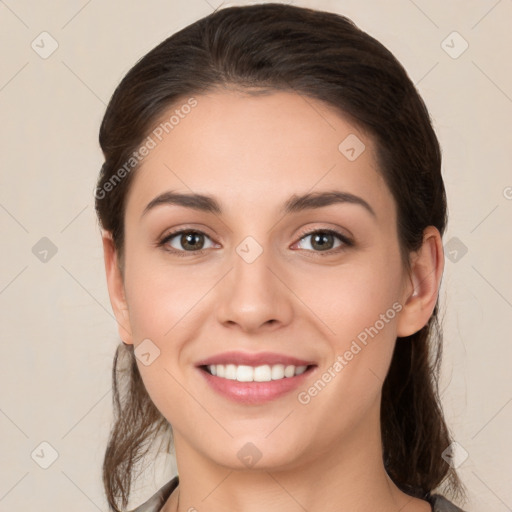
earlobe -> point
(420, 295)
(116, 288)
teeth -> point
(263, 373)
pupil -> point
(189, 240)
(322, 240)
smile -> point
(262, 373)
(255, 385)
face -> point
(256, 285)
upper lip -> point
(253, 359)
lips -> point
(286, 374)
(254, 359)
(254, 393)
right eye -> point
(187, 240)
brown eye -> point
(192, 241)
(185, 241)
(324, 240)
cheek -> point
(167, 307)
(160, 296)
(161, 308)
(350, 298)
(357, 308)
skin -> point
(252, 154)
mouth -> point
(261, 373)
(255, 385)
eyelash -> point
(344, 239)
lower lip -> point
(255, 392)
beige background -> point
(58, 332)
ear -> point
(116, 288)
(421, 292)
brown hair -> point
(324, 56)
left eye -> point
(323, 240)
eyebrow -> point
(295, 203)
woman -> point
(272, 211)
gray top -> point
(156, 502)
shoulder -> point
(441, 504)
(156, 502)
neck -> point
(349, 476)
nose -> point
(254, 295)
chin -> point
(255, 453)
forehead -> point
(257, 150)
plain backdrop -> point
(60, 63)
